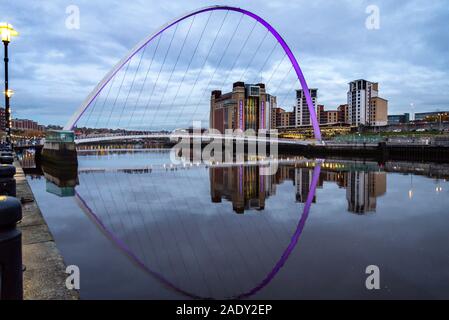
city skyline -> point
(74, 61)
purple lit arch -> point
(316, 129)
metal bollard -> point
(7, 181)
(11, 274)
(6, 159)
(6, 154)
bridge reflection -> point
(199, 253)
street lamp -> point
(7, 32)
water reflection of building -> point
(247, 189)
(242, 185)
(362, 190)
(303, 179)
(60, 181)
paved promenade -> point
(44, 275)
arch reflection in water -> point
(164, 221)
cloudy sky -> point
(53, 68)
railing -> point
(356, 139)
(406, 140)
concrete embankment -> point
(380, 152)
(44, 276)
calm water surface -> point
(139, 230)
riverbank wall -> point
(381, 152)
(44, 268)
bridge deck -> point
(203, 137)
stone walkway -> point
(44, 276)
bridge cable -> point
(145, 79)
(238, 55)
(221, 222)
(104, 102)
(164, 205)
(275, 70)
(173, 70)
(292, 89)
(282, 81)
(127, 208)
(189, 64)
(254, 54)
(206, 113)
(266, 60)
(159, 74)
(100, 196)
(242, 77)
(90, 113)
(204, 64)
(152, 210)
(218, 65)
(118, 93)
(132, 85)
(250, 61)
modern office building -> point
(302, 113)
(247, 106)
(423, 116)
(398, 118)
(365, 107)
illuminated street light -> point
(7, 32)
(9, 93)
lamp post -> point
(7, 31)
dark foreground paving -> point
(44, 276)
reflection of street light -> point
(410, 191)
(440, 115)
(438, 188)
(7, 31)
(412, 106)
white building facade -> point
(302, 113)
